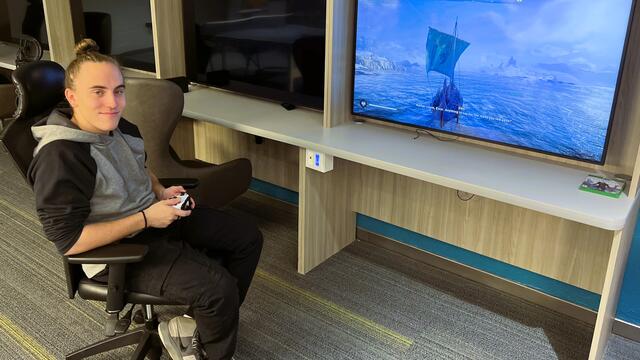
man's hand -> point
(163, 193)
(162, 213)
(171, 192)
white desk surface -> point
(510, 178)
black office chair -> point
(40, 88)
(7, 103)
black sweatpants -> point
(213, 289)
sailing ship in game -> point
(443, 52)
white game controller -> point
(185, 202)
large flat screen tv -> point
(540, 75)
(272, 49)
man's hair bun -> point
(86, 46)
(86, 51)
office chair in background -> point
(29, 50)
(40, 88)
(155, 106)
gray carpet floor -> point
(363, 303)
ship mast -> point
(455, 37)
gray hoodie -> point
(82, 178)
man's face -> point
(98, 98)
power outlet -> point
(319, 161)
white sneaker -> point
(180, 337)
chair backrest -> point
(7, 100)
(155, 107)
(40, 87)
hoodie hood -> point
(58, 126)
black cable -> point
(421, 131)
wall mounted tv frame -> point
(536, 75)
(272, 49)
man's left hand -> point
(174, 191)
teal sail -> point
(443, 52)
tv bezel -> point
(246, 89)
(415, 126)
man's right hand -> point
(162, 213)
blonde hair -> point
(86, 50)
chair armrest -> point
(110, 254)
(187, 183)
(116, 256)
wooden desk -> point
(546, 194)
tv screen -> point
(266, 48)
(539, 75)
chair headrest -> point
(40, 87)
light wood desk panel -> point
(272, 161)
(521, 237)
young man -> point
(92, 189)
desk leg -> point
(612, 284)
(326, 223)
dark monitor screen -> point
(122, 29)
(266, 48)
(540, 75)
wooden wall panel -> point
(326, 223)
(59, 23)
(625, 133)
(168, 38)
(182, 139)
(272, 161)
(338, 62)
(524, 238)
(612, 285)
(168, 50)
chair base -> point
(148, 341)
